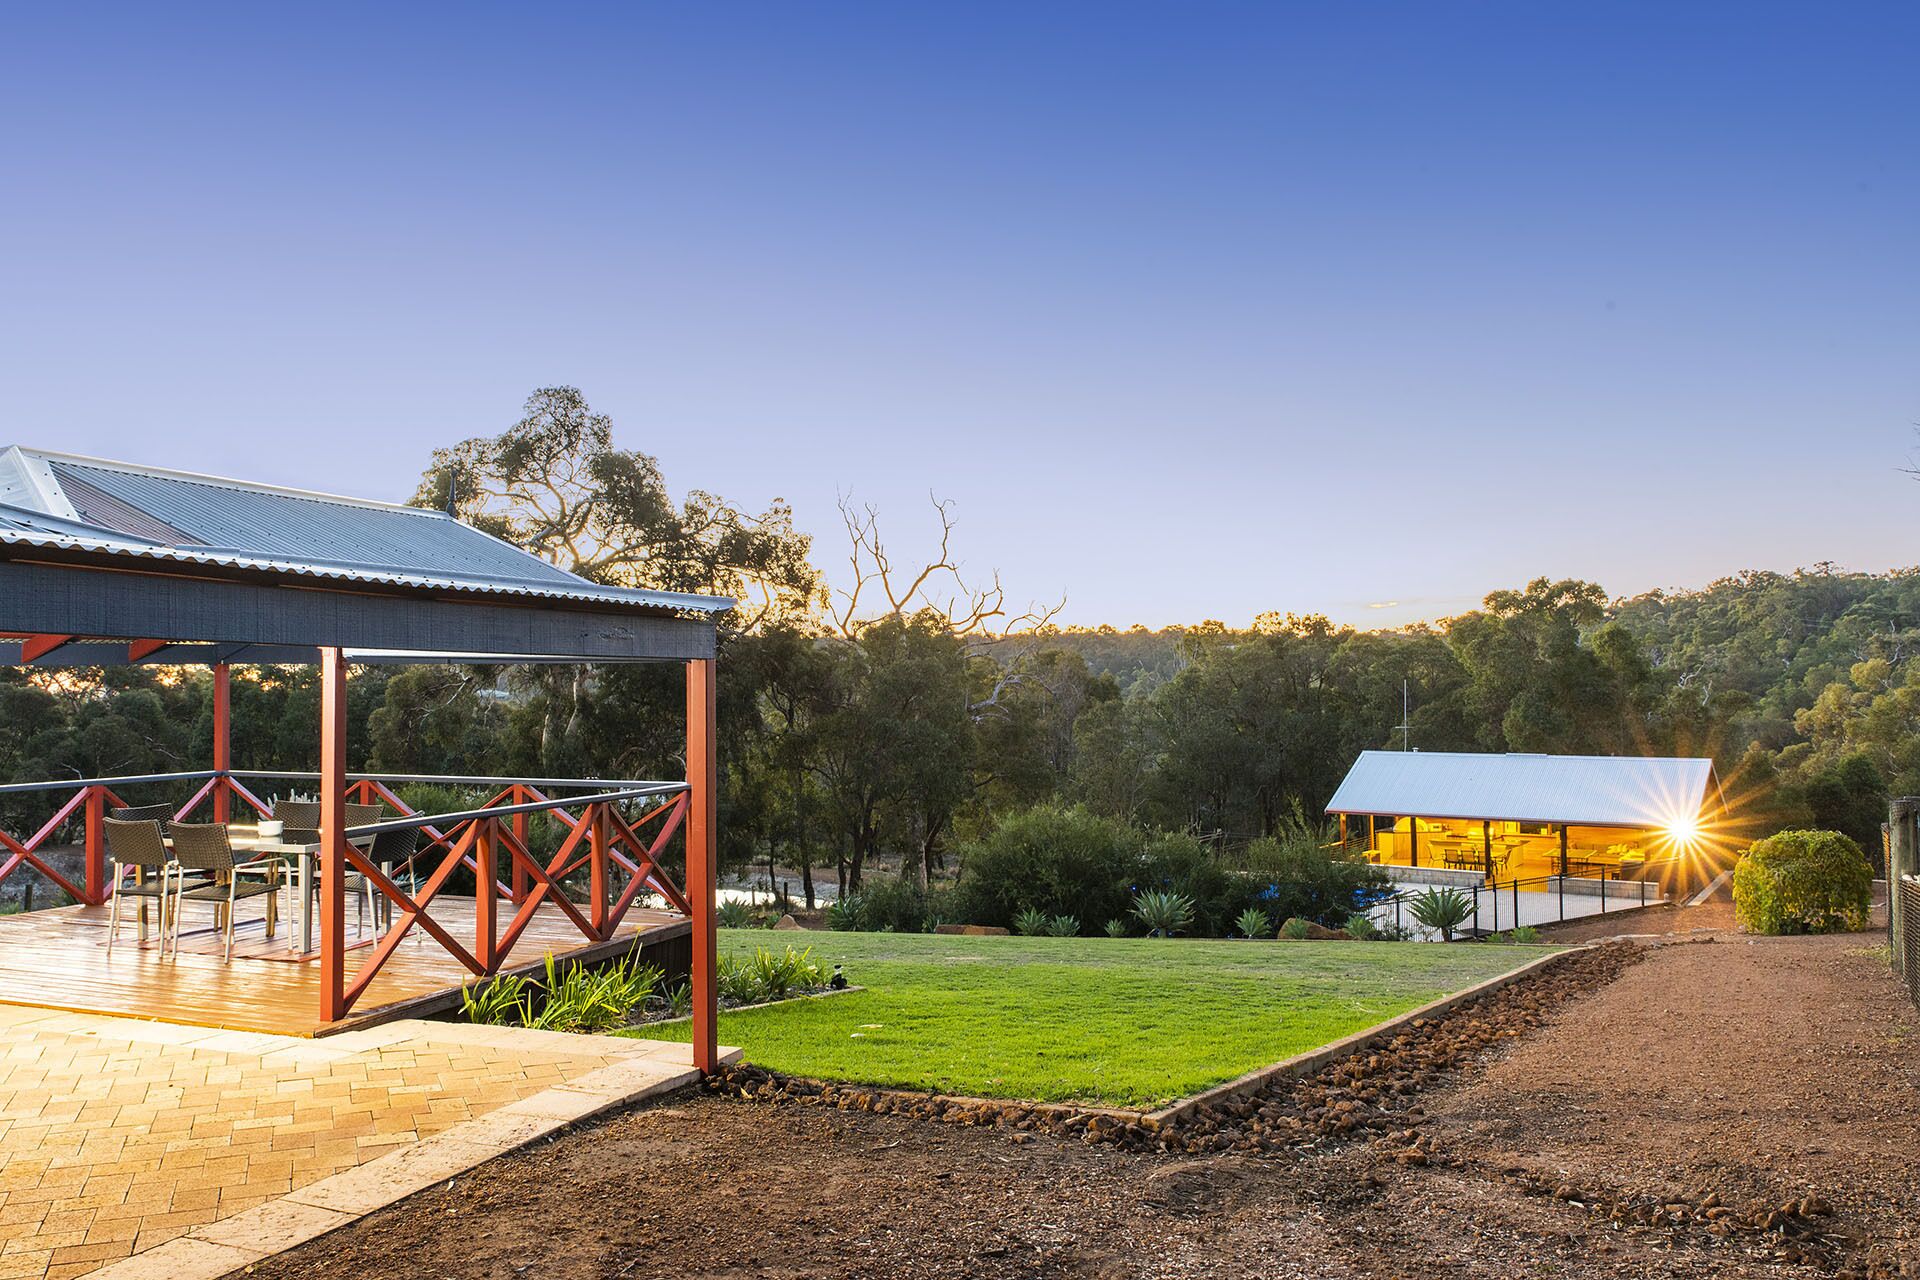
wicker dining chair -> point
(205, 847)
(302, 818)
(143, 813)
(392, 851)
(136, 848)
(365, 905)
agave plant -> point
(1116, 928)
(1163, 913)
(1063, 927)
(1296, 929)
(733, 914)
(1443, 910)
(1360, 925)
(847, 914)
(1253, 923)
(1032, 922)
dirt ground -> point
(1651, 1123)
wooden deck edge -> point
(1311, 1060)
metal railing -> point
(1485, 897)
(618, 848)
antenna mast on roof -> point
(453, 490)
(1406, 718)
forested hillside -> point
(881, 718)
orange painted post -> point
(597, 868)
(96, 846)
(485, 933)
(333, 835)
(703, 776)
(222, 742)
(522, 882)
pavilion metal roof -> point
(89, 505)
(1623, 791)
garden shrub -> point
(1049, 859)
(1360, 925)
(1253, 923)
(1296, 928)
(1296, 875)
(1175, 862)
(1803, 882)
(893, 904)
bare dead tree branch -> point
(940, 584)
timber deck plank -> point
(57, 959)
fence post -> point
(485, 893)
(522, 881)
(1603, 891)
(1516, 904)
(1561, 881)
(96, 845)
(1901, 833)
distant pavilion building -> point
(1521, 816)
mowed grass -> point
(1127, 1022)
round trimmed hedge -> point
(1803, 882)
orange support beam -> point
(333, 835)
(40, 646)
(138, 649)
(222, 741)
(703, 776)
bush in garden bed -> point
(1803, 882)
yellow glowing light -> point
(1683, 830)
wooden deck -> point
(58, 959)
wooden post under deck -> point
(703, 776)
(333, 835)
(1413, 838)
(1486, 838)
(222, 742)
(1563, 849)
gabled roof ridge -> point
(225, 482)
(1520, 755)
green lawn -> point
(1130, 1021)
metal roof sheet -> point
(233, 524)
(1623, 791)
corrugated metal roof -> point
(1624, 791)
(233, 524)
(288, 525)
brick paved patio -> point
(118, 1135)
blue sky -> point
(1192, 310)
